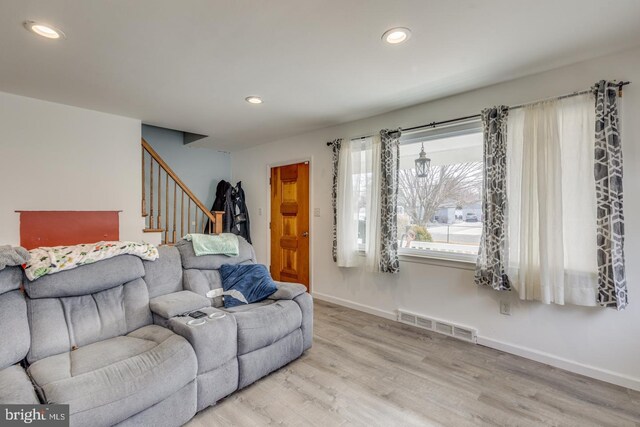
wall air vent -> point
(440, 326)
(444, 328)
(464, 333)
(425, 323)
(407, 318)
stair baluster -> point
(159, 224)
(150, 225)
(166, 222)
(175, 194)
(144, 190)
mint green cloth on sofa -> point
(214, 244)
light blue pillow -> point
(251, 280)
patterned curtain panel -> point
(612, 282)
(390, 167)
(335, 148)
(492, 262)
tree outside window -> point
(442, 211)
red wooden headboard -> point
(61, 228)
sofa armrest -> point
(173, 304)
(287, 291)
(215, 341)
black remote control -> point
(197, 314)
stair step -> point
(153, 230)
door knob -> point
(305, 234)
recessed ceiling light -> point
(396, 35)
(43, 30)
(253, 99)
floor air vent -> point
(436, 325)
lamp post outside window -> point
(422, 164)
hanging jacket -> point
(241, 204)
(218, 203)
(236, 216)
(221, 190)
(229, 210)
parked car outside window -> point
(471, 217)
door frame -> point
(311, 225)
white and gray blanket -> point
(13, 255)
(52, 260)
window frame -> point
(432, 256)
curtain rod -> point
(515, 107)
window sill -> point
(442, 259)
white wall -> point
(598, 342)
(57, 157)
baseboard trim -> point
(356, 306)
(562, 363)
(527, 353)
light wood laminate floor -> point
(367, 371)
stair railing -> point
(170, 217)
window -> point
(440, 215)
(357, 202)
(361, 176)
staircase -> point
(169, 207)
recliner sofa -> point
(113, 341)
(94, 346)
(271, 333)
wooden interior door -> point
(290, 223)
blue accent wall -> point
(200, 168)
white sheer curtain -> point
(358, 201)
(552, 205)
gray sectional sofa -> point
(111, 339)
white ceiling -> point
(189, 64)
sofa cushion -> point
(15, 387)
(60, 324)
(10, 279)
(164, 275)
(108, 381)
(253, 281)
(170, 305)
(87, 279)
(213, 262)
(14, 328)
(202, 281)
(263, 325)
(248, 307)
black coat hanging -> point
(236, 215)
(218, 203)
